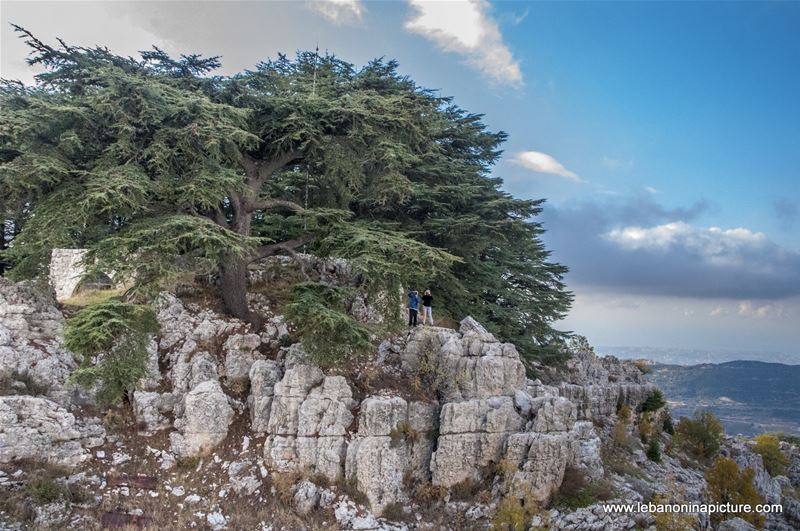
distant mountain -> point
(693, 356)
(749, 396)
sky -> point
(664, 136)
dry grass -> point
(93, 296)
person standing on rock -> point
(427, 312)
(413, 307)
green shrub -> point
(654, 402)
(654, 450)
(111, 337)
(699, 436)
(318, 312)
(47, 491)
(668, 426)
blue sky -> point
(665, 136)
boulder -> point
(204, 424)
(42, 430)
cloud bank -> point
(465, 27)
(634, 245)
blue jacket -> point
(413, 301)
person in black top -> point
(427, 314)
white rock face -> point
(66, 271)
(308, 420)
(40, 429)
(264, 374)
(472, 435)
(205, 421)
(150, 409)
(393, 440)
(240, 352)
(31, 339)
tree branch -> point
(288, 247)
(266, 204)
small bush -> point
(654, 402)
(47, 491)
(428, 494)
(394, 512)
(465, 490)
(624, 413)
(514, 514)
(284, 483)
(577, 491)
(726, 483)
(768, 447)
(350, 488)
(668, 426)
(403, 433)
(700, 437)
(654, 450)
(643, 366)
(646, 428)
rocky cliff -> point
(440, 428)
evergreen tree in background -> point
(163, 170)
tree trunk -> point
(233, 290)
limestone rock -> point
(541, 459)
(66, 271)
(31, 339)
(40, 429)
(205, 421)
(150, 410)
(264, 374)
(308, 419)
(240, 352)
(473, 434)
(393, 441)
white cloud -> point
(650, 190)
(544, 163)
(465, 27)
(719, 311)
(339, 11)
(714, 245)
(748, 309)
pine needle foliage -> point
(111, 338)
(162, 170)
(327, 332)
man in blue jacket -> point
(413, 308)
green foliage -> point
(112, 339)
(162, 170)
(327, 332)
(46, 490)
(668, 426)
(654, 450)
(726, 483)
(654, 402)
(768, 447)
(700, 436)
